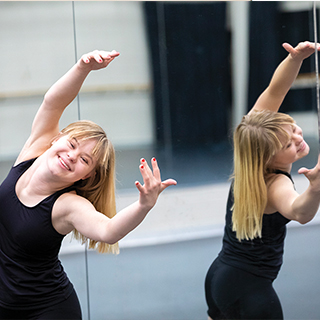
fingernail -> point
(153, 159)
(141, 167)
(143, 160)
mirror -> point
(176, 92)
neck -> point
(40, 179)
(281, 168)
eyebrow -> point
(86, 154)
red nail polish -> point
(141, 167)
(143, 160)
(154, 159)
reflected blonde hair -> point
(99, 188)
(256, 140)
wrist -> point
(83, 67)
(144, 207)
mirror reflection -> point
(176, 92)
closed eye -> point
(85, 160)
(71, 144)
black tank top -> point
(31, 274)
(260, 256)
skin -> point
(68, 160)
(281, 194)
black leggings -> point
(68, 309)
(232, 293)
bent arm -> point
(306, 206)
(82, 216)
(294, 206)
(284, 76)
(46, 122)
(79, 213)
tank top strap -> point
(285, 173)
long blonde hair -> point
(99, 188)
(256, 140)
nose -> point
(298, 136)
(72, 156)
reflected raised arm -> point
(284, 76)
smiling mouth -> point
(64, 164)
(303, 146)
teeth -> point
(64, 164)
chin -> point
(307, 149)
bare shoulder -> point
(70, 202)
(68, 206)
(279, 188)
(273, 180)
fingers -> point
(303, 50)
(139, 186)
(155, 168)
(100, 56)
(145, 171)
(167, 183)
(152, 177)
(146, 174)
(288, 47)
(303, 171)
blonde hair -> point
(99, 188)
(256, 140)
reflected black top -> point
(260, 256)
(31, 274)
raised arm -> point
(46, 122)
(284, 76)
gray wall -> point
(37, 47)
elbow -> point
(111, 241)
(111, 238)
(303, 220)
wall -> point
(37, 41)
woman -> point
(62, 182)
(262, 200)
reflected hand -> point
(97, 59)
(313, 175)
(302, 51)
(153, 185)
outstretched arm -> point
(284, 76)
(75, 212)
(130, 217)
(46, 122)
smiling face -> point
(71, 159)
(293, 149)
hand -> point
(96, 60)
(153, 185)
(302, 51)
(313, 175)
